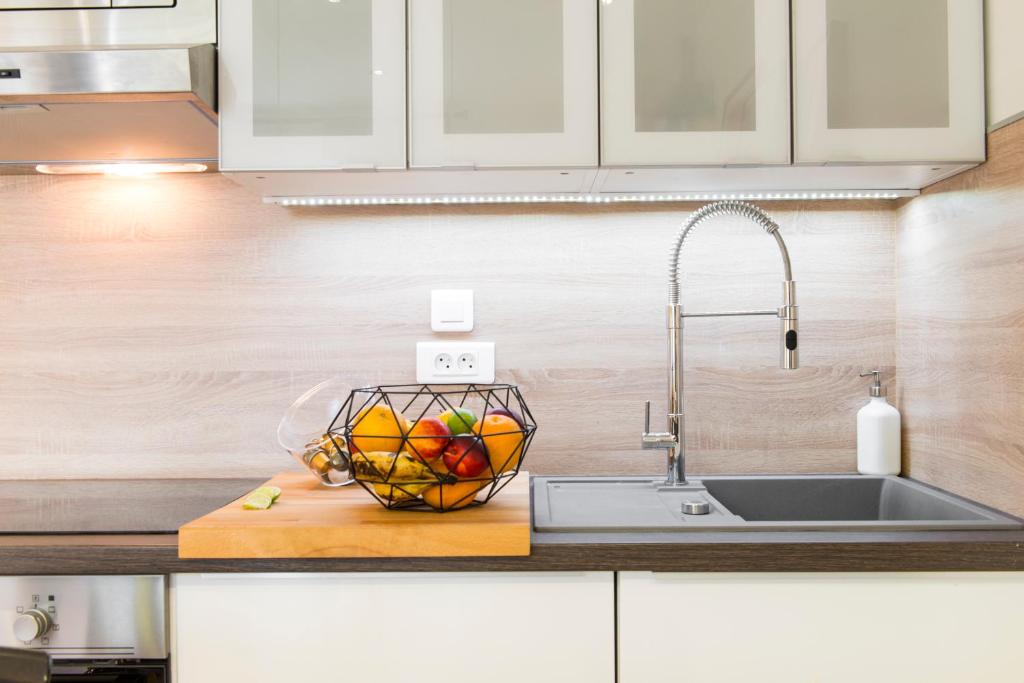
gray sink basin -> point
(797, 503)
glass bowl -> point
(303, 432)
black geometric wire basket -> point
(414, 446)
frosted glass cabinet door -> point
(884, 81)
(312, 85)
(695, 82)
(495, 83)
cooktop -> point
(112, 506)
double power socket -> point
(454, 362)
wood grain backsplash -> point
(161, 327)
(961, 329)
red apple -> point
(465, 457)
(428, 438)
(501, 410)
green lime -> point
(257, 500)
(459, 420)
(273, 491)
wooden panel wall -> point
(961, 328)
(161, 327)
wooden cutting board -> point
(310, 520)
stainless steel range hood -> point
(94, 106)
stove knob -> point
(32, 624)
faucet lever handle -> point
(647, 417)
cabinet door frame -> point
(962, 141)
(767, 144)
(575, 147)
(241, 150)
(841, 627)
(531, 626)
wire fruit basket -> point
(419, 447)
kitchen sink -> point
(746, 503)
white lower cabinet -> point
(365, 628)
(905, 627)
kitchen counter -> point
(752, 552)
(67, 552)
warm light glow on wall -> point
(127, 170)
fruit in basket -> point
(391, 467)
(503, 439)
(399, 477)
(507, 413)
(377, 428)
(428, 438)
(465, 457)
(459, 420)
(400, 492)
(440, 469)
(452, 496)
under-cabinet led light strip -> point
(587, 198)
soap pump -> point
(878, 432)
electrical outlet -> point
(455, 362)
(443, 363)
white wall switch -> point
(451, 310)
(454, 362)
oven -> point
(102, 629)
(104, 672)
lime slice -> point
(273, 491)
(258, 500)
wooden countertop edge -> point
(158, 554)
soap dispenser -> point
(878, 432)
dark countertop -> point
(115, 506)
(754, 552)
(157, 553)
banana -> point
(377, 466)
(398, 495)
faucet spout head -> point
(789, 338)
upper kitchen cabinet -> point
(687, 82)
(312, 85)
(878, 81)
(503, 84)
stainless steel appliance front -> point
(109, 618)
(94, 24)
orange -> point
(505, 443)
(457, 495)
(377, 428)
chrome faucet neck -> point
(673, 440)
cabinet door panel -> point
(695, 82)
(388, 628)
(881, 81)
(836, 627)
(503, 84)
(312, 85)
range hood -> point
(101, 106)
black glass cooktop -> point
(109, 506)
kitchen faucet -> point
(673, 440)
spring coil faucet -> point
(673, 440)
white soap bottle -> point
(878, 432)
